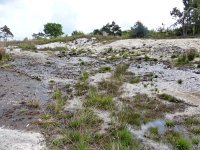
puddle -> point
(160, 124)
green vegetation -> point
(111, 86)
(2, 53)
(53, 29)
(82, 85)
(58, 103)
(169, 123)
(153, 130)
(120, 71)
(27, 46)
(105, 68)
(77, 33)
(180, 81)
(169, 98)
(138, 30)
(99, 100)
(134, 80)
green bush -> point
(138, 30)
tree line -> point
(187, 22)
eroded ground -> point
(129, 94)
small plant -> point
(180, 81)
(105, 68)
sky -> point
(25, 17)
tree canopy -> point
(189, 18)
(5, 33)
(53, 29)
(138, 30)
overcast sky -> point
(25, 17)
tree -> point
(53, 29)
(97, 32)
(111, 29)
(189, 18)
(5, 33)
(38, 35)
(77, 33)
(138, 30)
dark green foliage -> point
(138, 30)
(169, 98)
(5, 33)
(53, 29)
(110, 29)
(77, 33)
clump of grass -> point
(179, 142)
(33, 104)
(195, 140)
(27, 46)
(135, 80)
(84, 118)
(153, 130)
(192, 121)
(110, 86)
(195, 130)
(82, 85)
(84, 76)
(120, 71)
(169, 123)
(169, 98)
(124, 137)
(180, 81)
(105, 68)
(186, 57)
(58, 103)
(183, 144)
(101, 101)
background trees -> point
(189, 18)
(5, 33)
(138, 30)
(109, 29)
(53, 29)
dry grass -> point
(2, 53)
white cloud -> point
(25, 17)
